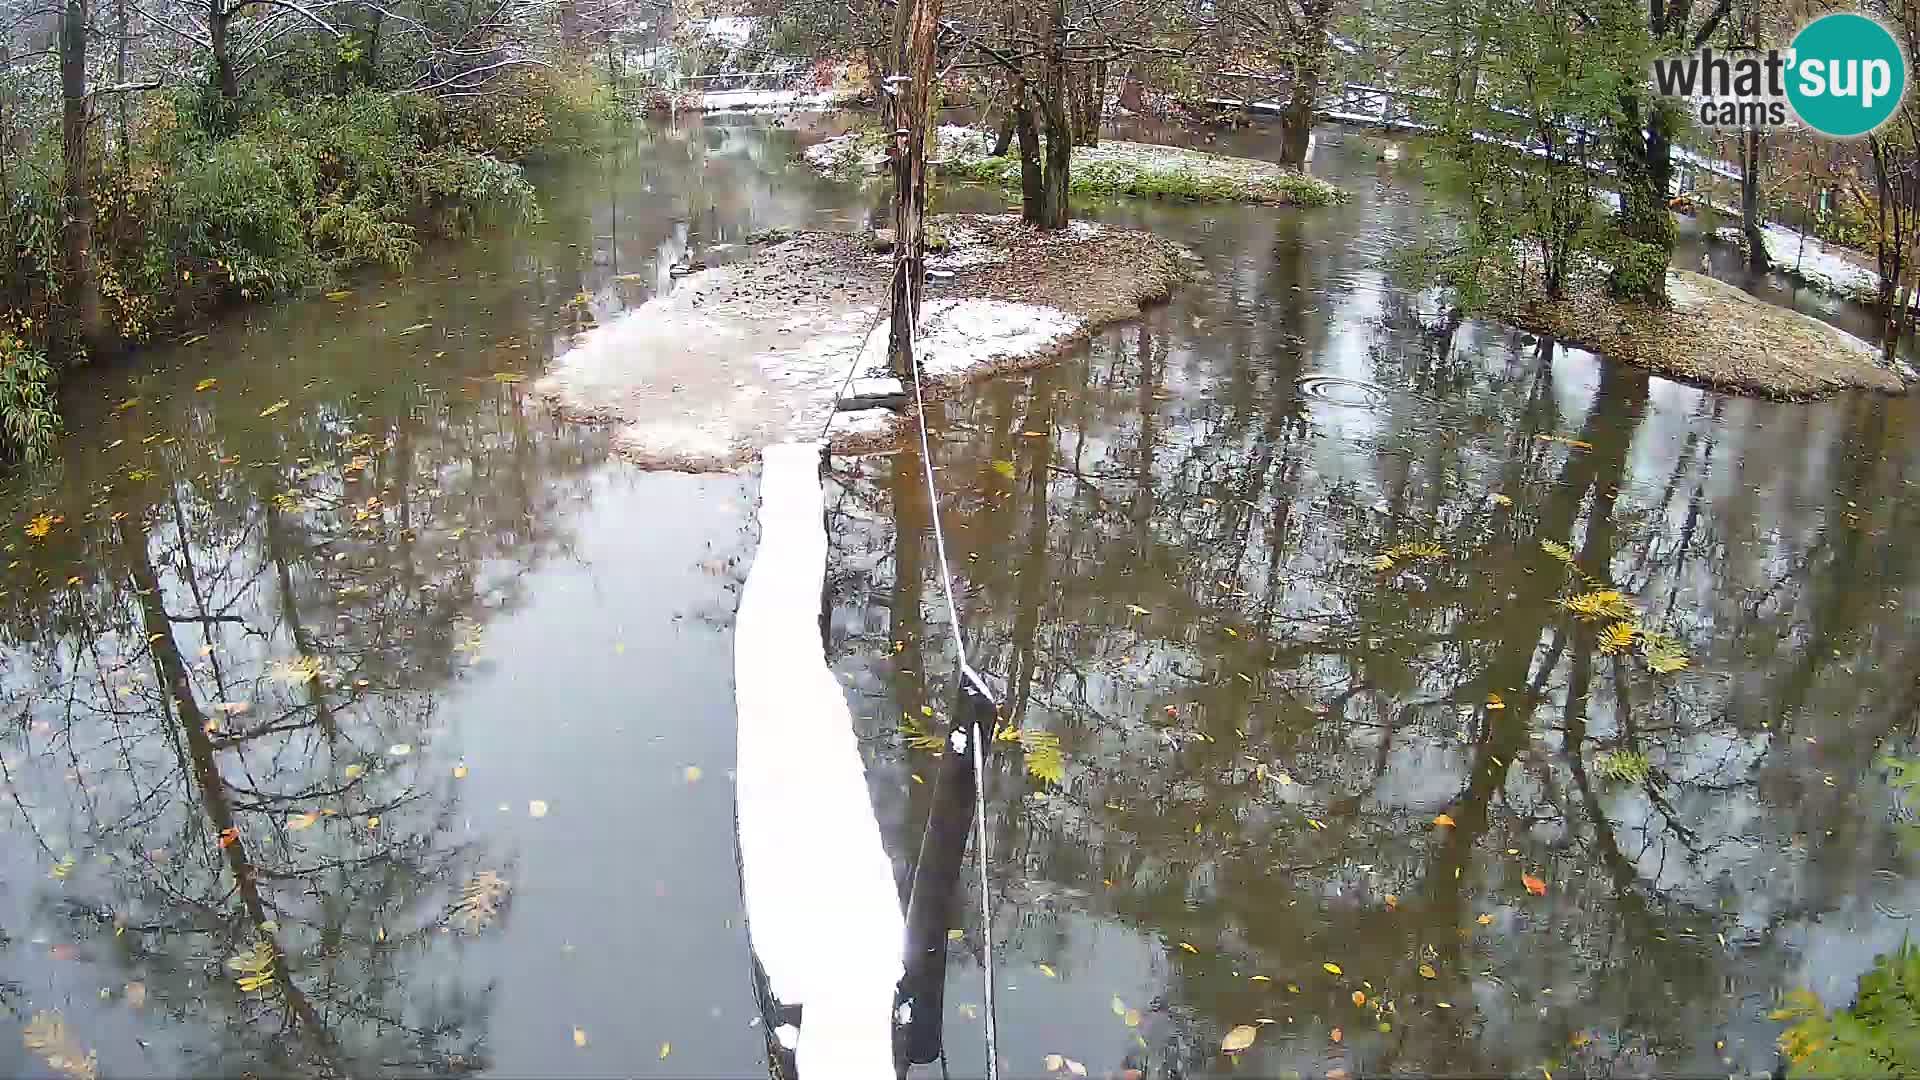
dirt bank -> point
(757, 352)
(1715, 336)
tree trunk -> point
(1087, 91)
(915, 30)
(1751, 225)
(88, 327)
(120, 76)
(1003, 141)
(1032, 180)
(1644, 161)
(225, 77)
(1309, 70)
(1053, 211)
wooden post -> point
(933, 898)
(911, 89)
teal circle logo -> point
(1847, 75)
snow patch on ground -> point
(822, 912)
(958, 337)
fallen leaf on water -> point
(579, 1036)
(205, 384)
(1048, 971)
(275, 407)
(353, 771)
(1138, 610)
(1004, 468)
(400, 749)
(339, 294)
(1132, 1018)
(1239, 1038)
(1495, 701)
(970, 1011)
(137, 994)
(1485, 920)
(1332, 968)
(460, 771)
(1076, 1068)
(1359, 998)
(956, 935)
(414, 329)
(1190, 948)
(373, 822)
(1444, 1004)
(665, 1049)
(508, 377)
(1427, 972)
(537, 808)
(1119, 1007)
(1055, 1062)
(1444, 821)
(1393, 902)
(1577, 444)
(1534, 885)
(1259, 978)
(693, 774)
(303, 821)
(1336, 1035)
(229, 836)
(1501, 500)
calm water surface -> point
(358, 644)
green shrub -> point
(29, 413)
(1639, 271)
(1878, 1035)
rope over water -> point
(973, 680)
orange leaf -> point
(229, 837)
(1534, 885)
(1359, 998)
(1444, 821)
(1336, 1035)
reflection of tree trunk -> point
(1035, 578)
(281, 557)
(206, 772)
(904, 624)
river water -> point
(334, 631)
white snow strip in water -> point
(730, 100)
(822, 913)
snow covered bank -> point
(761, 352)
(771, 100)
(1829, 269)
(1112, 168)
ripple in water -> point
(1348, 393)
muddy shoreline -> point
(1715, 336)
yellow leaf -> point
(1132, 1018)
(1332, 968)
(1055, 1062)
(1485, 920)
(302, 821)
(537, 808)
(400, 749)
(275, 407)
(693, 774)
(1138, 610)
(1119, 1007)
(1501, 500)
(579, 1036)
(1259, 978)
(1427, 972)
(460, 771)
(339, 294)
(1048, 971)
(1495, 701)
(508, 377)
(205, 384)
(665, 1049)
(1444, 821)
(1239, 1038)
(956, 935)
(1004, 468)
(1190, 948)
(1618, 637)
